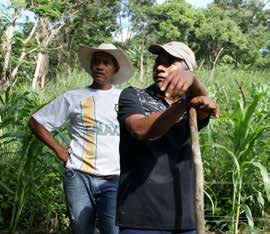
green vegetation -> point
(38, 61)
(235, 151)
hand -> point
(205, 107)
(63, 154)
(177, 83)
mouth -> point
(98, 74)
(160, 77)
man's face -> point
(103, 67)
(164, 65)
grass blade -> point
(265, 177)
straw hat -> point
(125, 67)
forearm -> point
(197, 89)
(46, 137)
(156, 124)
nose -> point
(100, 66)
(160, 67)
(97, 65)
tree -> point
(217, 33)
(54, 15)
(137, 15)
(174, 20)
(252, 18)
(247, 14)
(7, 40)
(94, 24)
(58, 25)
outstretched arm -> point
(157, 124)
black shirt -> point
(157, 180)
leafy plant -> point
(247, 129)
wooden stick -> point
(198, 172)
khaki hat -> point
(178, 50)
(125, 67)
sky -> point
(199, 3)
(195, 3)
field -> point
(39, 43)
(235, 150)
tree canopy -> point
(236, 32)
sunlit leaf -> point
(249, 216)
(230, 153)
(265, 177)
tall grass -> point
(240, 193)
(19, 157)
(237, 197)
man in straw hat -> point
(156, 191)
(92, 159)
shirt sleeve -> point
(54, 114)
(129, 104)
(203, 122)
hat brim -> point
(185, 54)
(159, 49)
(125, 66)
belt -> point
(108, 177)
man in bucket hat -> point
(92, 158)
(156, 191)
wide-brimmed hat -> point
(125, 67)
(178, 50)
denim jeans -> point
(139, 231)
(88, 197)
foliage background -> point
(38, 61)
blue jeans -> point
(139, 231)
(87, 197)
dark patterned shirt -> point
(157, 180)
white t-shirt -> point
(94, 147)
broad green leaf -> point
(260, 199)
(6, 188)
(265, 177)
(2, 100)
(250, 143)
(230, 153)
(262, 119)
(249, 216)
(251, 109)
(211, 201)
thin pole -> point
(200, 223)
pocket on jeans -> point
(70, 173)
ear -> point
(184, 65)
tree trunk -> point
(215, 62)
(45, 69)
(6, 47)
(141, 61)
(198, 172)
(44, 37)
(24, 52)
(41, 71)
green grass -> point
(224, 79)
(219, 166)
